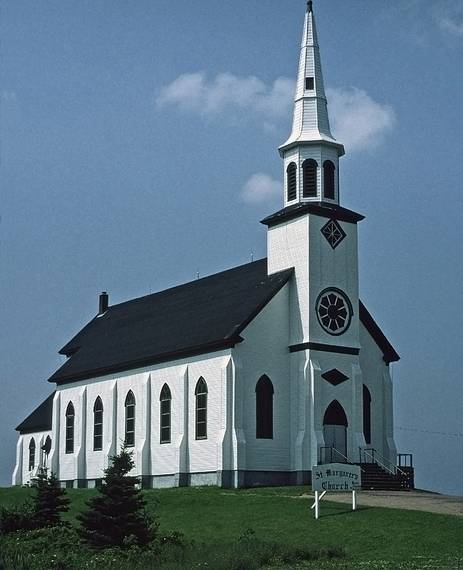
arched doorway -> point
(335, 433)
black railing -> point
(329, 454)
(367, 454)
(405, 460)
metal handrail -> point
(390, 463)
(332, 448)
(348, 461)
(380, 463)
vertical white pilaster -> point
(80, 452)
(183, 424)
(145, 447)
(315, 410)
(390, 449)
(227, 443)
(239, 443)
(54, 457)
(111, 444)
(17, 478)
(357, 439)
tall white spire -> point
(310, 122)
(311, 136)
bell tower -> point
(311, 153)
(317, 237)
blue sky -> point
(138, 146)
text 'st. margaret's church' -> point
(248, 377)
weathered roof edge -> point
(39, 419)
(389, 353)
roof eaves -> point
(215, 346)
(323, 209)
(389, 353)
(43, 414)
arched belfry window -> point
(165, 414)
(328, 179)
(367, 415)
(98, 425)
(309, 177)
(31, 454)
(130, 419)
(291, 181)
(201, 409)
(264, 408)
(70, 428)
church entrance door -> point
(335, 433)
(336, 438)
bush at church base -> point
(117, 515)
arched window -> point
(31, 454)
(291, 181)
(70, 428)
(98, 425)
(165, 421)
(328, 179)
(47, 445)
(264, 408)
(367, 415)
(130, 419)
(309, 176)
(201, 409)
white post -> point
(316, 505)
(354, 500)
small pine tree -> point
(49, 501)
(116, 516)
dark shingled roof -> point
(201, 316)
(39, 419)
(198, 317)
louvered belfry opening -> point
(309, 176)
(291, 176)
(328, 179)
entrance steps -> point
(374, 477)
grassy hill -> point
(369, 538)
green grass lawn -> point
(212, 515)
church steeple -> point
(311, 152)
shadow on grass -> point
(344, 512)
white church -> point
(247, 377)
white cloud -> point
(357, 120)
(454, 25)
(261, 188)
(194, 92)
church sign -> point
(335, 477)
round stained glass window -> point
(334, 311)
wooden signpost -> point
(334, 478)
